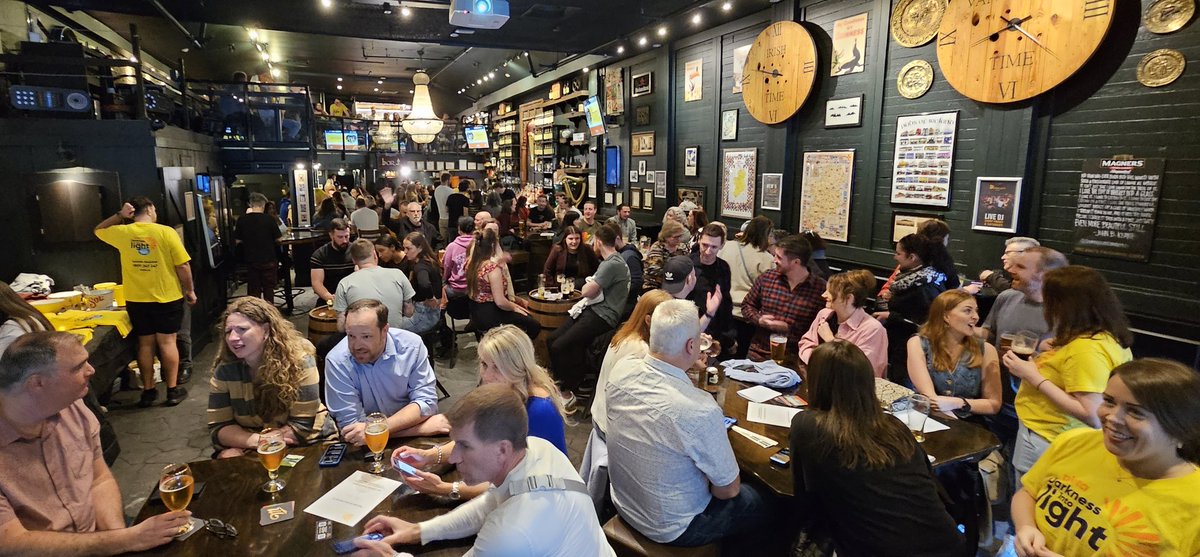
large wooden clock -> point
(779, 73)
(1002, 51)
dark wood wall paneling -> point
(695, 125)
(659, 101)
(750, 134)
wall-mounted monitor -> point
(612, 165)
(477, 137)
(595, 119)
(204, 184)
(336, 139)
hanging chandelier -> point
(422, 124)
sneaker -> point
(175, 396)
(185, 375)
(148, 398)
(568, 399)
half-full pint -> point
(271, 454)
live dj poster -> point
(996, 203)
(1118, 202)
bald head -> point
(481, 219)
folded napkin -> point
(766, 373)
(581, 304)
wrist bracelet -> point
(439, 450)
(1038, 388)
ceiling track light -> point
(727, 6)
(327, 3)
(405, 11)
(662, 31)
(642, 41)
(696, 18)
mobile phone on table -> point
(783, 457)
(332, 455)
(342, 547)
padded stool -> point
(628, 542)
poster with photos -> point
(614, 90)
(691, 160)
(738, 170)
(924, 157)
(739, 66)
(997, 202)
(693, 82)
(849, 45)
(825, 191)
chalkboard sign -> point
(1118, 200)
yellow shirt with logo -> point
(1086, 504)
(1082, 365)
(149, 254)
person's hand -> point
(289, 435)
(947, 404)
(984, 274)
(370, 548)
(437, 424)
(427, 482)
(881, 315)
(433, 303)
(517, 308)
(191, 297)
(394, 530)
(355, 434)
(972, 288)
(1046, 345)
(232, 452)
(885, 295)
(127, 211)
(419, 458)
(1030, 542)
(713, 303)
(825, 332)
(1023, 369)
(157, 530)
(522, 302)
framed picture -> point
(849, 45)
(691, 159)
(904, 224)
(660, 184)
(772, 191)
(729, 121)
(650, 177)
(695, 195)
(738, 168)
(643, 84)
(843, 113)
(641, 116)
(643, 144)
(825, 188)
(635, 199)
(648, 199)
(633, 176)
(924, 157)
(614, 90)
(997, 204)
(641, 167)
(608, 198)
(739, 66)
(620, 198)
(693, 83)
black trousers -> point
(487, 315)
(568, 346)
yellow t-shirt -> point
(1082, 366)
(149, 254)
(1086, 504)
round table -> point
(550, 314)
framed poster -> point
(608, 198)
(904, 224)
(729, 121)
(614, 90)
(633, 176)
(643, 84)
(691, 157)
(641, 115)
(826, 183)
(924, 158)
(650, 177)
(849, 45)
(693, 80)
(635, 199)
(695, 195)
(739, 66)
(620, 198)
(648, 199)
(737, 182)
(843, 113)
(643, 144)
(641, 167)
(997, 201)
(660, 184)
(772, 191)
(1134, 185)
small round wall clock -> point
(780, 69)
(915, 22)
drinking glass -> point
(918, 413)
(1023, 344)
(779, 348)
(377, 438)
(1006, 341)
(175, 486)
(271, 450)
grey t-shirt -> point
(390, 286)
(1013, 312)
(613, 278)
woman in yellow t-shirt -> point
(1131, 489)
(1060, 389)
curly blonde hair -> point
(283, 357)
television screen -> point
(477, 137)
(335, 139)
(595, 120)
(204, 184)
(612, 165)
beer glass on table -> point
(918, 412)
(377, 438)
(779, 348)
(175, 486)
(271, 450)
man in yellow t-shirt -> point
(157, 279)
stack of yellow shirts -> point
(81, 323)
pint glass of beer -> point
(377, 438)
(779, 348)
(175, 486)
(271, 450)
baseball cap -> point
(676, 272)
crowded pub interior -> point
(600, 277)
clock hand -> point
(1011, 24)
(1015, 25)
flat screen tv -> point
(595, 119)
(336, 139)
(612, 165)
(477, 137)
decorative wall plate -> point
(1160, 67)
(915, 79)
(1168, 16)
(916, 22)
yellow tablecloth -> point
(81, 323)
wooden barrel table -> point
(550, 314)
(322, 323)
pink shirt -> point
(47, 481)
(861, 329)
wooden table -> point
(233, 494)
(302, 243)
(550, 314)
(963, 441)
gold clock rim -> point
(904, 92)
(1170, 53)
(897, 28)
(806, 36)
(1171, 25)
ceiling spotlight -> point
(266, 56)
(339, 87)
(642, 41)
(506, 74)
(185, 49)
(405, 11)
(621, 49)
(132, 58)
(259, 46)
(387, 9)
(376, 89)
(727, 6)
(662, 31)
(696, 18)
(253, 34)
(339, 79)
(274, 72)
(585, 69)
(478, 82)
(327, 3)
(526, 53)
(380, 82)
(491, 74)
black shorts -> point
(151, 318)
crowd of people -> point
(1102, 450)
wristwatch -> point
(966, 407)
(454, 494)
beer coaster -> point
(291, 460)
(324, 530)
(278, 512)
(197, 525)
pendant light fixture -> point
(422, 123)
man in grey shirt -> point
(390, 286)
(568, 345)
(627, 224)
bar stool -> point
(628, 542)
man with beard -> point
(331, 262)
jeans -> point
(423, 319)
(568, 346)
(1028, 449)
(748, 513)
(261, 279)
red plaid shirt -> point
(798, 306)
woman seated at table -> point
(425, 274)
(1132, 488)
(844, 318)
(678, 216)
(697, 219)
(325, 214)
(568, 221)
(957, 370)
(490, 289)
(630, 341)
(505, 356)
(390, 252)
(570, 257)
(1061, 388)
(17, 317)
(670, 243)
(861, 481)
(911, 294)
(265, 376)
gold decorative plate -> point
(915, 79)
(916, 22)
(1168, 16)
(1160, 67)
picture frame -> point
(641, 115)
(997, 204)
(738, 173)
(729, 123)
(922, 169)
(641, 167)
(608, 198)
(642, 84)
(695, 195)
(648, 200)
(660, 184)
(691, 160)
(826, 189)
(905, 223)
(643, 144)
(844, 113)
(772, 191)
(635, 199)
(650, 177)
(619, 199)
(633, 176)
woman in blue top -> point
(948, 363)
(505, 356)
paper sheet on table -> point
(353, 499)
(758, 393)
(931, 425)
(771, 414)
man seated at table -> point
(1000, 280)
(674, 475)
(587, 224)
(372, 282)
(377, 368)
(413, 222)
(680, 280)
(539, 505)
(331, 262)
(784, 300)
(625, 222)
(57, 496)
(541, 217)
